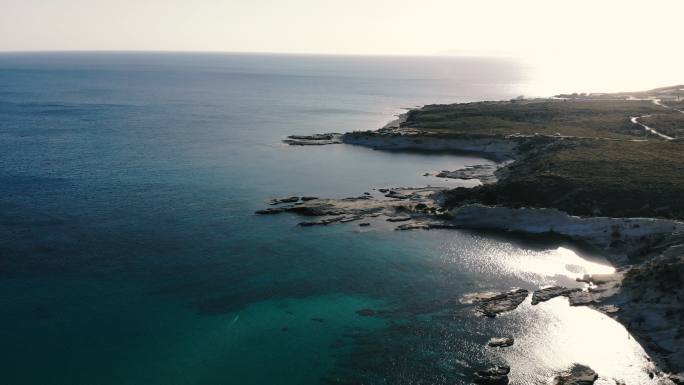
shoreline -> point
(610, 294)
(617, 237)
(636, 296)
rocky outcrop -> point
(314, 140)
(646, 292)
(491, 304)
(578, 375)
(485, 173)
(402, 218)
(414, 207)
(603, 232)
(500, 342)
(277, 201)
(546, 294)
(497, 147)
(426, 225)
(323, 222)
(651, 303)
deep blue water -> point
(129, 252)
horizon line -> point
(159, 51)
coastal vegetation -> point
(602, 118)
(670, 124)
(582, 155)
(590, 178)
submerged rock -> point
(500, 342)
(491, 380)
(413, 226)
(364, 224)
(497, 375)
(546, 294)
(277, 201)
(441, 225)
(306, 199)
(269, 211)
(323, 222)
(351, 219)
(578, 375)
(399, 219)
(366, 312)
(499, 370)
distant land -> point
(603, 169)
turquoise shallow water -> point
(130, 254)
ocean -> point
(130, 254)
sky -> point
(622, 36)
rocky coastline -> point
(645, 294)
(494, 147)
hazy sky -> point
(332, 26)
(601, 32)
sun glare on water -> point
(538, 266)
(552, 336)
(555, 336)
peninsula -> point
(603, 169)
